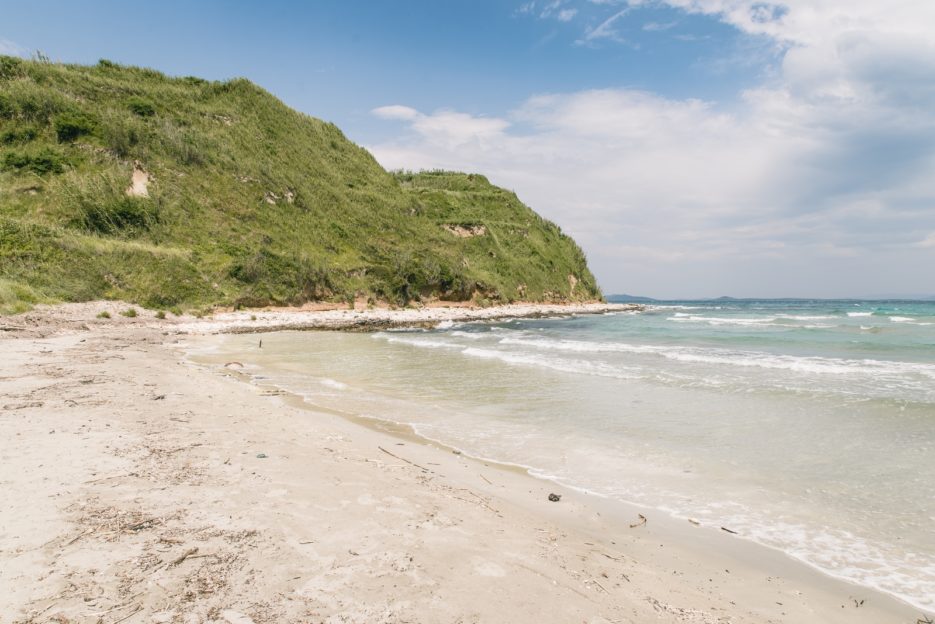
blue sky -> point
(693, 147)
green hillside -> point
(120, 182)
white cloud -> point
(396, 111)
(566, 15)
(818, 182)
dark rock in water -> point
(555, 497)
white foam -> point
(860, 313)
(567, 366)
(802, 364)
(333, 383)
(422, 343)
(718, 320)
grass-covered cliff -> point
(121, 182)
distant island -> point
(624, 298)
(182, 194)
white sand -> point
(138, 487)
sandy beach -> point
(140, 486)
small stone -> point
(555, 497)
(261, 455)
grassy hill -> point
(120, 182)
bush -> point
(120, 215)
(21, 135)
(99, 205)
(10, 67)
(70, 126)
(129, 313)
(141, 107)
(104, 315)
(42, 162)
(122, 134)
(160, 315)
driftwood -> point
(640, 523)
(725, 529)
(422, 468)
(185, 555)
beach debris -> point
(185, 555)
(159, 397)
(456, 452)
(695, 522)
(596, 582)
(261, 455)
(858, 603)
(725, 529)
(485, 479)
(261, 343)
(136, 610)
(423, 468)
(555, 497)
(234, 363)
(641, 522)
(925, 620)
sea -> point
(806, 426)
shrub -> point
(98, 205)
(120, 215)
(141, 107)
(129, 313)
(122, 134)
(70, 126)
(104, 315)
(7, 107)
(18, 135)
(177, 311)
(10, 67)
(42, 162)
(160, 315)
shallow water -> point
(805, 426)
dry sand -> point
(140, 487)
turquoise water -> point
(805, 426)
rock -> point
(555, 497)
(261, 455)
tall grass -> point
(249, 203)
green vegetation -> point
(239, 201)
(103, 315)
(129, 313)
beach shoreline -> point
(144, 485)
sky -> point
(694, 148)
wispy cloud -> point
(11, 48)
(656, 26)
(548, 9)
(605, 30)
